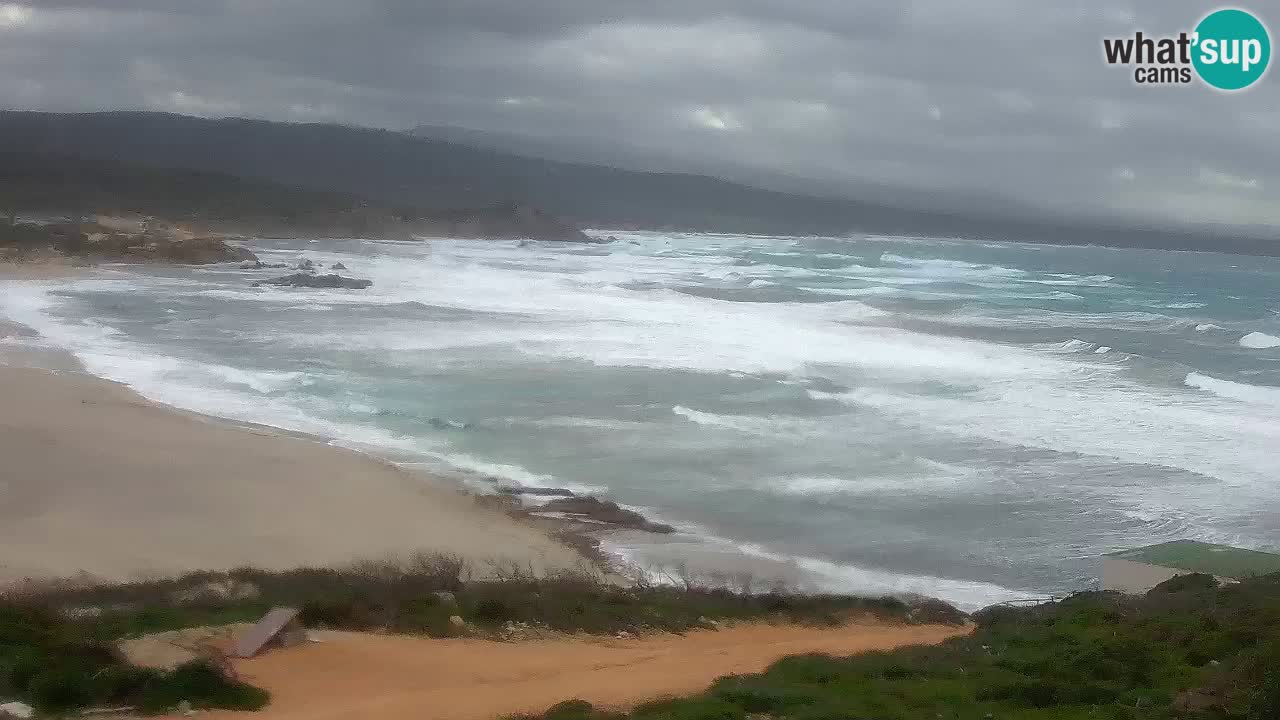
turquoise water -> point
(977, 421)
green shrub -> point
(202, 685)
(57, 665)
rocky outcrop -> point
(153, 242)
(604, 512)
(195, 251)
(309, 280)
(535, 491)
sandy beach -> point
(96, 479)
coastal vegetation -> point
(58, 641)
(1188, 649)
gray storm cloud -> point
(993, 97)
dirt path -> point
(358, 676)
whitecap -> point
(1244, 392)
(1259, 341)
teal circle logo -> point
(1232, 49)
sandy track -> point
(357, 676)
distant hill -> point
(393, 169)
(219, 202)
(618, 153)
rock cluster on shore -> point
(606, 512)
(583, 508)
(308, 276)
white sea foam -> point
(582, 316)
(587, 423)
(925, 480)
(1054, 319)
(207, 388)
(942, 266)
(829, 576)
(1106, 417)
(1077, 280)
(508, 473)
(1259, 341)
(1244, 392)
(797, 428)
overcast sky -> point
(992, 96)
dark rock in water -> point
(337, 266)
(633, 242)
(305, 265)
(604, 511)
(259, 265)
(303, 279)
(536, 491)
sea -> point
(976, 421)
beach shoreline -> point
(639, 548)
(100, 482)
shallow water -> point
(975, 421)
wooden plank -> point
(266, 629)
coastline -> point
(102, 483)
(622, 551)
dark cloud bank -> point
(985, 99)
